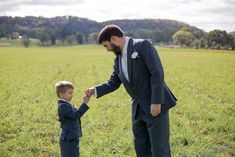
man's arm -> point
(153, 63)
(111, 85)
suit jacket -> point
(146, 83)
(69, 118)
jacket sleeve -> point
(68, 111)
(111, 85)
(153, 63)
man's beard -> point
(116, 49)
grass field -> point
(202, 123)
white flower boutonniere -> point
(134, 55)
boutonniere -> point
(134, 55)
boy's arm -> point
(82, 109)
(68, 111)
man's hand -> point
(90, 91)
(155, 109)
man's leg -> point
(158, 129)
(141, 136)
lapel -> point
(122, 77)
(129, 64)
(126, 83)
(129, 61)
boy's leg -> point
(76, 145)
(69, 148)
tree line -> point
(216, 39)
(75, 30)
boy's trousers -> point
(69, 148)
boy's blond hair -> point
(62, 86)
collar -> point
(59, 99)
(124, 51)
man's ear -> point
(112, 39)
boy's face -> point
(67, 95)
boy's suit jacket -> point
(69, 118)
(146, 83)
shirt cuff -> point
(95, 94)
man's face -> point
(112, 47)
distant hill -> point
(147, 24)
(66, 25)
(159, 30)
(18, 24)
(232, 33)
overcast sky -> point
(204, 14)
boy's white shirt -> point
(64, 100)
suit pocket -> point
(137, 61)
(139, 68)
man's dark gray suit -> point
(146, 86)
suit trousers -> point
(151, 134)
(69, 148)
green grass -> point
(202, 123)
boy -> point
(69, 118)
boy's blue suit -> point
(69, 118)
(146, 86)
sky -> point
(204, 14)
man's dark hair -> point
(108, 31)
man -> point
(138, 67)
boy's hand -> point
(86, 99)
(90, 91)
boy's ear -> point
(60, 95)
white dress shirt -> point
(124, 59)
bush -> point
(26, 41)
